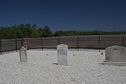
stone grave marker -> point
(62, 51)
(115, 55)
(23, 51)
(23, 54)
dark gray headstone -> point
(62, 51)
(23, 54)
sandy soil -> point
(83, 68)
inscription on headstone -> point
(23, 54)
(62, 51)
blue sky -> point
(108, 15)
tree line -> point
(32, 31)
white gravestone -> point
(23, 54)
(62, 50)
(115, 54)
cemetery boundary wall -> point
(77, 42)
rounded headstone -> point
(115, 53)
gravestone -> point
(62, 50)
(23, 54)
(24, 43)
(115, 55)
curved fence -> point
(77, 42)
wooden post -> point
(0, 46)
(99, 43)
(58, 40)
(41, 43)
(16, 44)
(123, 41)
(77, 43)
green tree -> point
(45, 32)
(34, 31)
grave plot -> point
(83, 68)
